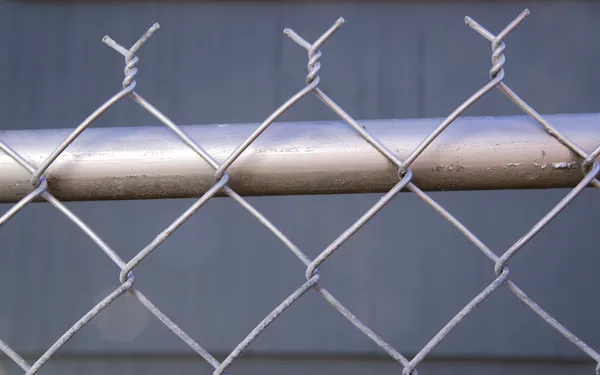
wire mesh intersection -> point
(590, 169)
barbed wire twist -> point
(589, 166)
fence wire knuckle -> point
(42, 189)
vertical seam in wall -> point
(381, 54)
(277, 90)
(421, 73)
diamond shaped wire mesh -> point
(589, 165)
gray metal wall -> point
(405, 274)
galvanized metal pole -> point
(474, 153)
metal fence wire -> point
(589, 165)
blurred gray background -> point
(405, 274)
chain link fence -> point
(589, 165)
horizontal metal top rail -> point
(474, 153)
